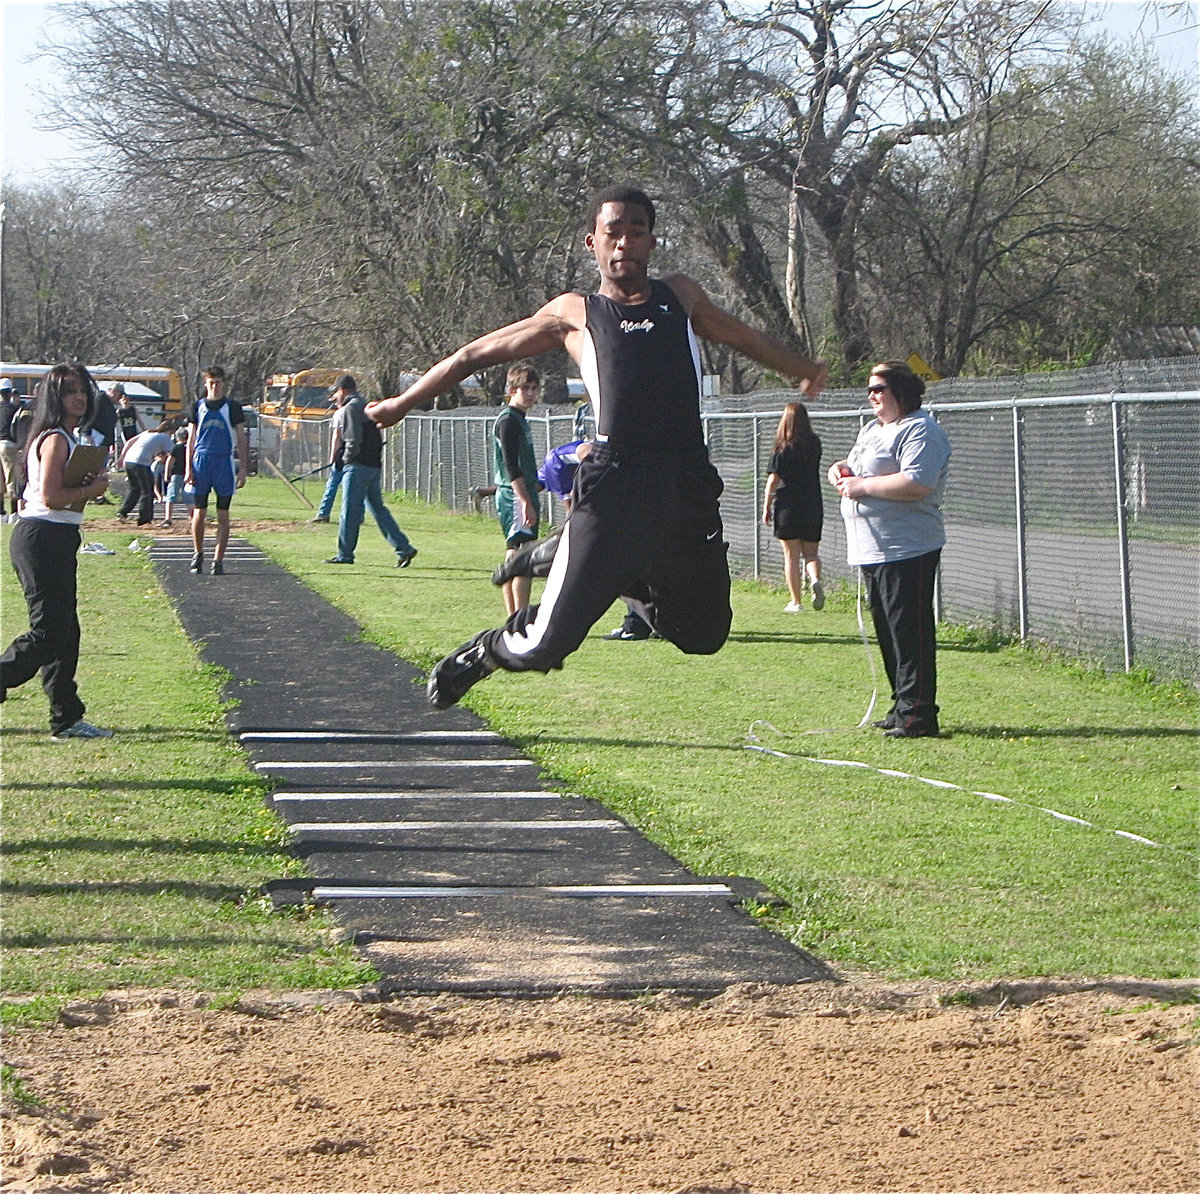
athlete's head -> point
(214, 384)
(619, 193)
(621, 237)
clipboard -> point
(86, 460)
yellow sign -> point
(922, 368)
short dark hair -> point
(619, 193)
(346, 382)
(903, 382)
(215, 372)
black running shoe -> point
(218, 569)
(450, 681)
(197, 564)
(404, 559)
(534, 559)
(913, 731)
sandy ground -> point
(865, 1086)
(862, 1086)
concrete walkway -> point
(433, 840)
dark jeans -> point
(141, 493)
(901, 597)
(360, 491)
(331, 487)
(44, 556)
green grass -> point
(15, 1090)
(136, 861)
(878, 872)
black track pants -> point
(901, 597)
(646, 530)
(44, 556)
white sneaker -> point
(792, 607)
(818, 595)
(81, 729)
(96, 549)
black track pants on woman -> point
(647, 528)
(44, 556)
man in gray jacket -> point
(361, 458)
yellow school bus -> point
(305, 395)
(164, 382)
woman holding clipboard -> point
(61, 479)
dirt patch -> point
(180, 529)
(865, 1086)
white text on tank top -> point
(641, 366)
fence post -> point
(1019, 493)
(754, 500)
(1122, 534)
(421, 472)
(441, 457)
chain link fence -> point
(1072, 507)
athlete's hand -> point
(812, 386)
(385, 412)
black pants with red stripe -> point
(646, 529)
(901, 598)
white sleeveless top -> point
(34, 506)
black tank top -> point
(641, 366)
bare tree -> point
(817, 98)
(423, 161)
(1031, 232)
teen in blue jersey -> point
(645, 523)
(217, 452)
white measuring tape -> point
(755, 741)
(754, 745)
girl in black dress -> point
(793, 498)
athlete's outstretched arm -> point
(547, 329)
(722, 327)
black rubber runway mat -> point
(433, 841)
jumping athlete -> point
(216, 429)
(645, 523)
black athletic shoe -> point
(621, 635)
(403, 561)
(450, 681)
(911, 731)
(338, 560)
(885, 723)
(534, 559)
(197, 564)
(218, 568)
